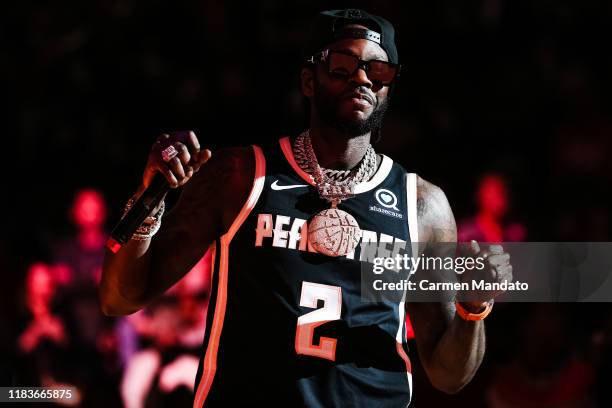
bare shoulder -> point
(435, 216)
(232, 163)
(221, 186)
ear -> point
(307, 82)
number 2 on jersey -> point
(331, 310)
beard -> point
(328, 110)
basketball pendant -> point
(333, 232)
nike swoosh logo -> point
(276, 187)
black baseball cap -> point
(330, 26)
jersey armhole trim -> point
(411, 200)
(210, 354)
(413, 230)
(259, 178)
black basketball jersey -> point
(286, 325)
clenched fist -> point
(497, 269)
(184, 160)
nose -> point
(360, 78)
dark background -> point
(521, 86)
(517, 87)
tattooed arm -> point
(451, 349)
(143, 270)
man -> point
(287, 324)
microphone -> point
(141, 209)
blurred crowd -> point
(504, 104)
(540, 355)
(149, 358)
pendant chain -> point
(333, 185)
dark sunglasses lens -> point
(382, 72)
(342, 64)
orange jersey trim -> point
(210, 357)
(285, 145)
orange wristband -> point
(465, 315)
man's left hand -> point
(497, 269)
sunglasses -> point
(340, 64)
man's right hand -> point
(208, 205)
(183, 166)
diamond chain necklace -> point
(333, 185)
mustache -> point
(361, 92)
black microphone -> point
(141, 209)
